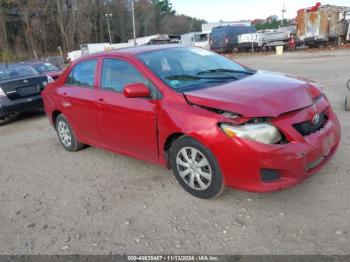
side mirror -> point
(136, 90)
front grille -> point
(309, 127)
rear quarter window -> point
(83, 74)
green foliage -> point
(41, 25)
(273, 25)
(163, 7)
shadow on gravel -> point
(24, 116)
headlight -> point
(2, 93)
(261, 132)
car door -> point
(126, 125)
(79, 100)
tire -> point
(347, 103)
(7, 119)
(66, 135)
(203, 181)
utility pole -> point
(133, 20)
(109, 27)
(283, 13)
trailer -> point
(322, 24)
(151, 40)
(197, 39)
(74, 55)
(94, 48)
(248, 41)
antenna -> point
(283, 13)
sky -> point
(232, 10)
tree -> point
(163, 8)
(42, 25)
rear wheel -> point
(196, 169)
(66, 135)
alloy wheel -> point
(64, 133)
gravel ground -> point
(96, 202)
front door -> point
(127, 125)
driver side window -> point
(116, 74)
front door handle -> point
(101, 101)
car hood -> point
(264, 94)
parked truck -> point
(266, 39)
(322, 24)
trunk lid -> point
(23, 87)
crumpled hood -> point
(264, 94)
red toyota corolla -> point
(216, 123)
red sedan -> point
(216, 123)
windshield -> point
(16, 71)
(186, 69)
(45, 67)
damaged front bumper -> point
(257, 167)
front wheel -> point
(66, 135)
(196, 169)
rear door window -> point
(83, 74)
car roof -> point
(134, 50)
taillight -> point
(2, 93)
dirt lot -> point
(96, 202)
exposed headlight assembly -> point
(261, 132)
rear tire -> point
(6, 119)
(66, 135)
(196, 168)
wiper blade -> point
(224, 70)
(197, 77)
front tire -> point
(196, 168)
(66, 135)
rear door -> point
(78, 95)
(127, 125)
